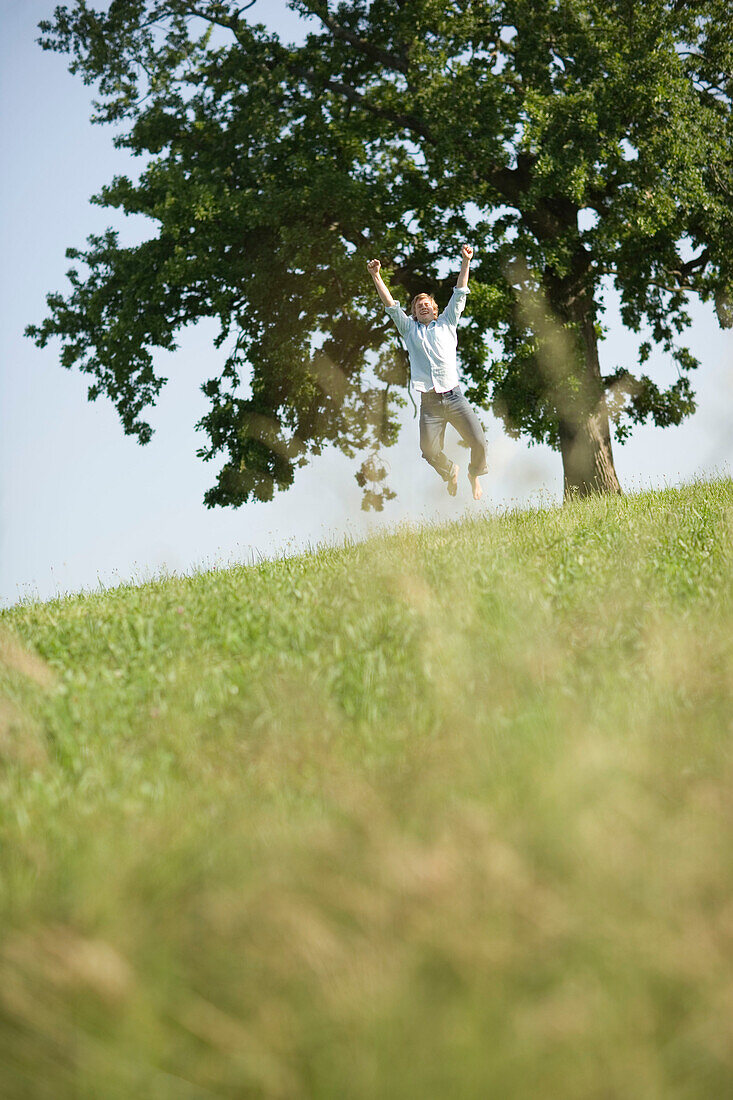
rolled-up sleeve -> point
(455, 306)
(400, 318)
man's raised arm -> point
(457, 302)
(466, 257)
(373, 267)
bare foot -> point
(475, 487)
(453, 481)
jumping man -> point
(431, 343)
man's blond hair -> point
(430, 299)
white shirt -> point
(432, 348)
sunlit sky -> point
(85, 506)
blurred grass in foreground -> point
(443, 814)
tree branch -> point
(694, 264)
(230, 24)
(680, 288)
(384, 57)
(681, 274)
(410, 122)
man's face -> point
(425, 309)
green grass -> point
(442, 814)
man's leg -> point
(468, 426)
(432, 434)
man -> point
(431, 341)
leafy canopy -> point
(576, 143)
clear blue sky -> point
(84, 505)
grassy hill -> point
(443, 814)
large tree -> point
(579, 144)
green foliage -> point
(443, 813)
(578, 143)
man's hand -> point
(467, 252)
(373, 267)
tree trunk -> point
(587, 458)
(585, 435)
